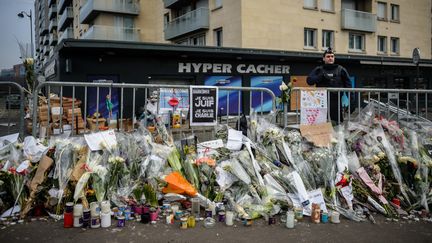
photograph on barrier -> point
(270, 82)
(224, 99)
(108, 107)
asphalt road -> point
(346, 231)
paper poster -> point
(313, 107)
(203, 105)
(235, 140)
(315, 196)
(209, 147)
(96, 141)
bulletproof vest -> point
(333, 76)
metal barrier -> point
(401, 102)
(10, 102)
(83, 87)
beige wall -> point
(279, 25)
(150, 21)
(229, 17)
(275, 24)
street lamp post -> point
(21, 15)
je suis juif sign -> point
(203, 105)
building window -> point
(394, 42)
(310, 38)
(327, 39)
(166, 19)
(382, 44)
(327, 5)
(218, 3)
(382, 11)
(395, 13)
(197, 40)
(310, 4)
(356, 42)
(218, 37)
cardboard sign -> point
(203, 105)
(313, 107)
(320, 135)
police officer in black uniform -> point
(333, 76)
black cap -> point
(328, 51)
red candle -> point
(68, 220)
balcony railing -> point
(53, 39)
(189, 22)
(175, 3)
(52, 25)
(358, 20)
(43, 28)
(93, 7)
(51, 2)
(62, 4)
(65, 19)
(52, 11)
(45, 40)
(67, 34)
(100, 32)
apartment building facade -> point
(373, 39)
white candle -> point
(78, 210)
(229, 218)
(335, 217)
(105, 220)
(290, 220)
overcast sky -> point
(12, 28)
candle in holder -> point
(290, 220)
(195, 206)
(229, 218)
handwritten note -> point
(313, 107)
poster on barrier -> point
(203, 105)
(269, 82)
(227, 103)
(313, 105)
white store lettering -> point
(186, 67)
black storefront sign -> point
(203, 105)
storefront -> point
(122, 62)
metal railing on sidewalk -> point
(11, 102)
(129, 92)
(400, 103)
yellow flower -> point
(29, 61)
